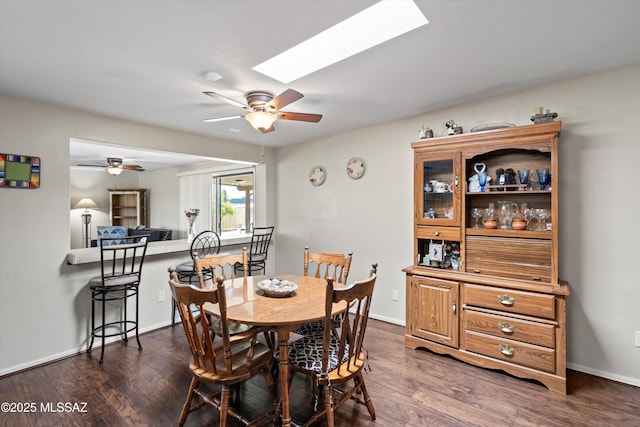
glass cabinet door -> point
(438, 189)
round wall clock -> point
(355, 168)
(317, 175)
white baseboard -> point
(605, 374)
(73, 352)
(387, 319)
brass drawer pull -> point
(454, 307)
(475, 270)
(506, 350)
(506, 300)
(506, 327)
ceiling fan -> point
(264, 109)
(115, 165)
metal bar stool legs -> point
(125, 325)
(125, 330)
(93, 321)
(137, 323)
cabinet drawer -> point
(533, 356)
(527, 259)
(508, 327)
(438, 233)
(522, 302)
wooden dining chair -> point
(224, 266)
(336, 362)
(327, 264)
(227, 362)
(324, 265)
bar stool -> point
(121, 262)
(205, 243)
(260, 240)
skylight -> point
(375, 25)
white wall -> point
(599, 155)
(44, 303)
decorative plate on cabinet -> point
(492, 126)
(355, 168)
(317, 175)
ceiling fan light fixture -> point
(261, 120)
(114, 171)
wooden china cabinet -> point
(489, 296)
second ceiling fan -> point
(264, 109)
(115, 165)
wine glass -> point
(527, 214)
(541, 215)
(524, 178)
(476, 213)
(482, 180)
(543, 178)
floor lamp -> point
(86, 204)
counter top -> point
(87, 255)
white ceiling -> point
(146, 60)
(84, 152)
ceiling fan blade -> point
(270, 129)
(137, 168)
(93, 165)
(285, 98)
(303, 117)
(225, 99)
(219, 119)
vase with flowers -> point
(454, 254)
(192, 215)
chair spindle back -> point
(328, 264)
(222, 266)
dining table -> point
(249, 304)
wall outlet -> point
(160, 296)
(637, 338)
(394, 295)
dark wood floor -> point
(408, 388)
